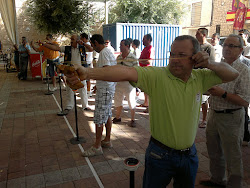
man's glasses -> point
(231, 46)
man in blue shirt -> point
(24, 50)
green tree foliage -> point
(146, 11)
(60, 16)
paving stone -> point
(3, 184)
(35, 181)
(85, 171)
(117, 164)
(14, 183)
(70, 174)
(102, 168)
(53, 178)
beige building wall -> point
(220, 9)
(213, 15)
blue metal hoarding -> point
(163, 36)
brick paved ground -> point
(35, 150)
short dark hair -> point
(49, 35)
(84, 35)
(136, 43)
(196, 44)
(130, 40)
(126, 42)
(217, 35)
(98, 38)
(239, 38)
(203, 30)
(149, 37)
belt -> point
(227, 111)
(171, 150)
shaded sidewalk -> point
(35, 150)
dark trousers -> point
(23, 67)
(246, 131)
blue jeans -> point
(161, 166)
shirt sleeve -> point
(243, 87)
(146, 79)
(246, 51)
(210, 79)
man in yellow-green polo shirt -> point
(175, 97)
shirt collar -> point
(171, 76)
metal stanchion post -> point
(61, 112)
(47, 77)
(77, 139)
(131, 164)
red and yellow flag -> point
(240, 18)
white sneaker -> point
(92, 152)
(53, 88)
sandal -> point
(142, 105)
(92, 152)
(106, 144)
(146, 111)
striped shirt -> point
(239, 86)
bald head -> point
(74, 38)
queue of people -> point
(198, 74)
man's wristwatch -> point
(224, 95)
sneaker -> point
(132, 123)
(203, 124)
(106, 144)
(245, 143)
(66, 111)
(53, 88)
(115, 120)
(92, 152)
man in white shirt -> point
(215, 40)
(108, 45)
(89, 56)
(72, 55)
(244, 33)
(103, 101)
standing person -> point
(52, 57)
(201, 36)
(226, 120)
(215, 41)
(244, 33)
(89, 56)
(103, 101)
(73, 54)
(124, 89)
(108, 45)
(245, 58)
(173, 90)
(16, 57)
(147, 54)
(24, 51)
(135, 46)
(1, 47)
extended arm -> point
(51, 46)
(110, 73)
